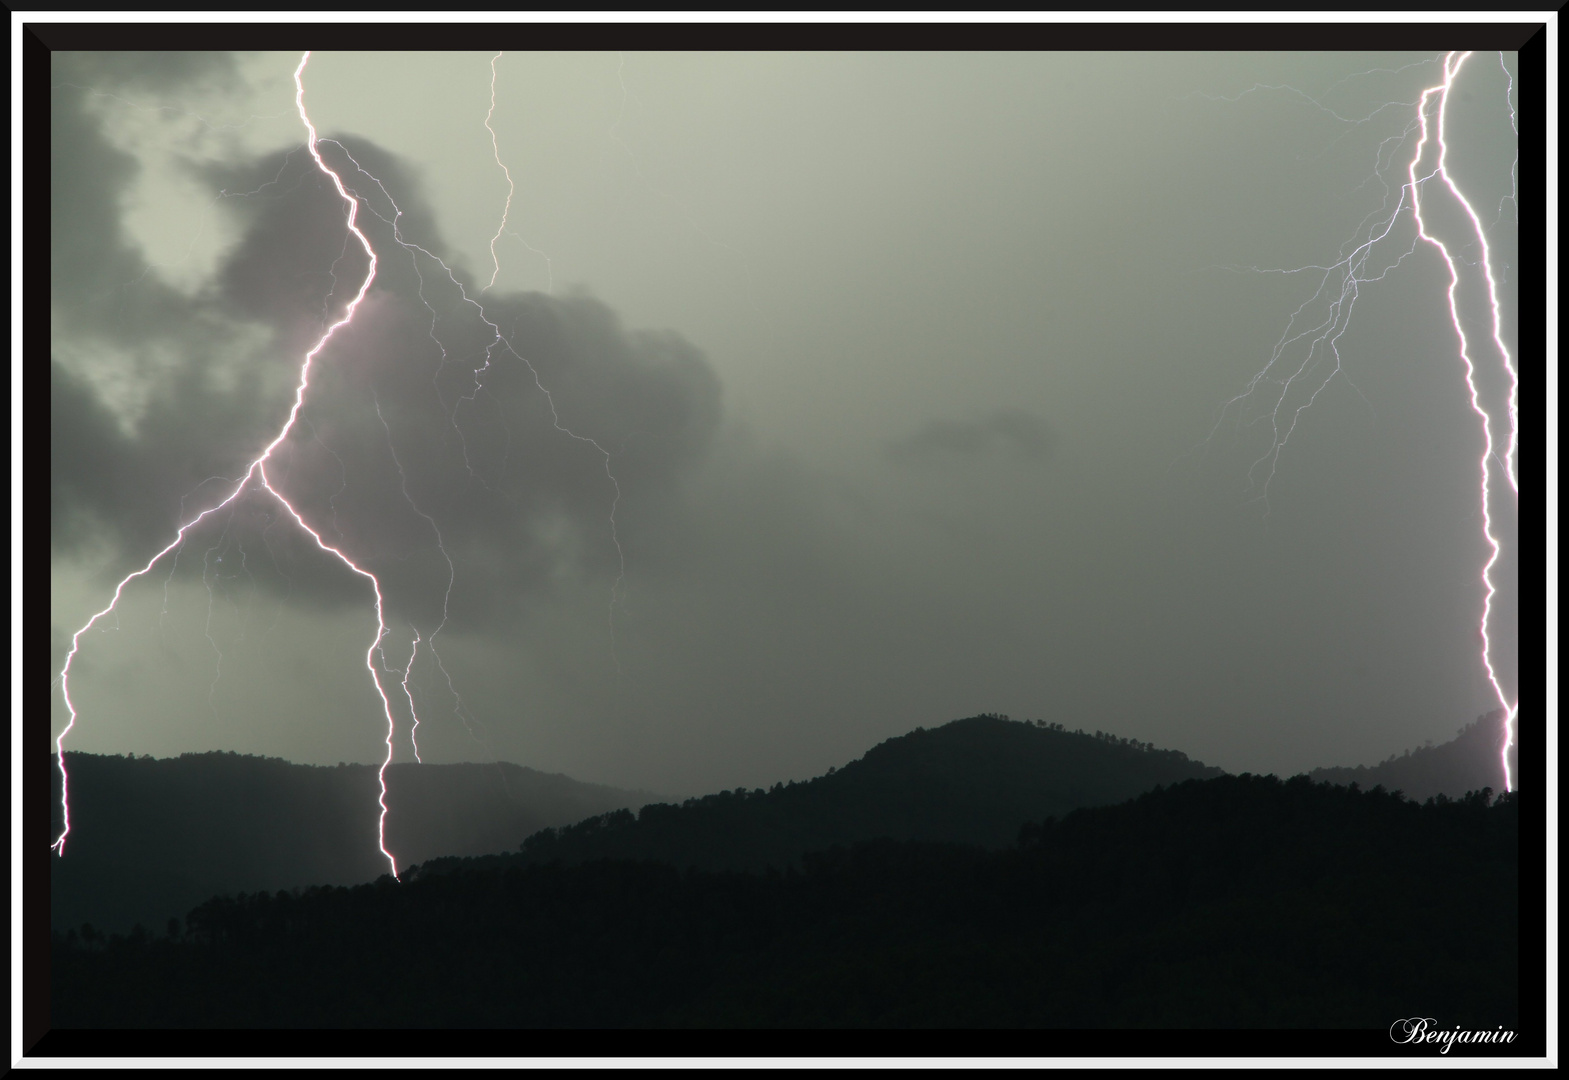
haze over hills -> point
(1468, 762)
(152, 838)
(973, 781)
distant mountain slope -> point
(1468, 762)
(150, 838)
(973, 781)
(1237, 902)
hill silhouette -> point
(151, 838)
(1468, 762)
(1235, 902)
(972, 781)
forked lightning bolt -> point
(256, 475)
(257, 471)
(1341, 283)
(1452, 64)
(497, 340)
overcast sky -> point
(904, 377)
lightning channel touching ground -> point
(256, 477)
(1452, 65)
(1296, 389)
(257, 472)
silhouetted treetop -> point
(1237, 901)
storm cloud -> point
(510, 428)
(816, 398)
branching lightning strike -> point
(497, 339)
(1342, 281)
(257, 472)
(1452, 64)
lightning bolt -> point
(497, 340)
(256, 475)
(1341, 283)
(511, 188)
(1452, 64)
(446, 600)
(408, 693)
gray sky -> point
(911, 371)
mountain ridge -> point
(151, 838)
(1230, 902)
(970, 781)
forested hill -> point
(151, 838)
(973, 781)
(1238, 902)
(1468, 762)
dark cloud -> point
(89, 460)
(513, 428)
(787, 602)
(96, 274)
(132, 486)
(88, 256)
(1013, 433)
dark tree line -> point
(1468, 761)
(1229, 902)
